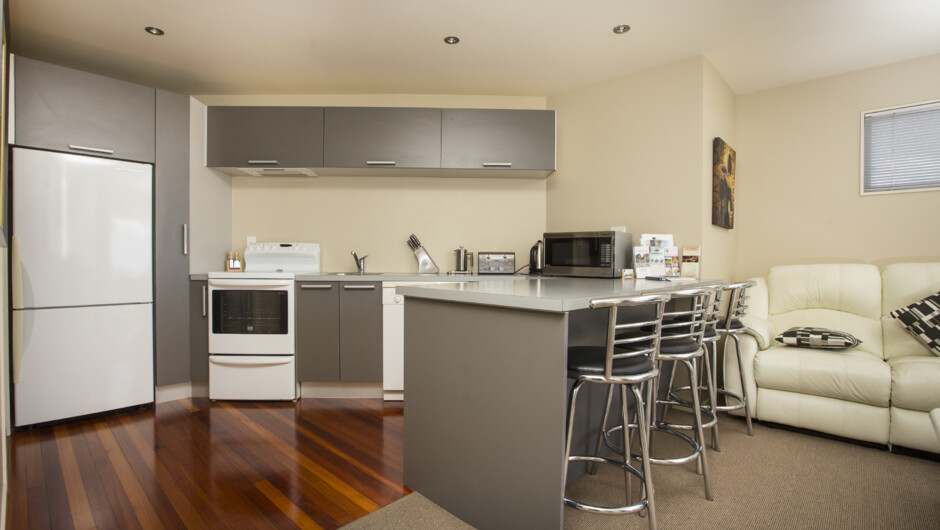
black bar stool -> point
(630, 362)
(730, 327)
(682, 344)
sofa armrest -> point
(762, 330)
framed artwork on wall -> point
(722, 184)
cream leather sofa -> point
(881, 391)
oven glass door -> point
(251, 317)
(250, 312)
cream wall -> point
(636, 152)
(210, 201)
(718, 111)
(375, 215)
(798, 152)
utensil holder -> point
(425, 264)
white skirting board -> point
(307, 390)
(341, 390)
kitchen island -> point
(485, 368)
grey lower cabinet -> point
(389, 138)
(264, 137)
(68, 110)
(317, 331)
(360, 332)
(501, 142)
(171, 239)
(199, 330)
(339, 331)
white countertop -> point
(554, 294)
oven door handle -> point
(248, 283)
(235, 360)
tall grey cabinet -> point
(68, 110)
(171, 244)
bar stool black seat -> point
(630, 362)
(682, 344)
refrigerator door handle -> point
(16, 357)
(185, 239)
(16, 274)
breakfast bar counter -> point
(486, 391)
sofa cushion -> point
(842, 297)
(902, 285)
(922, 319)
(817, 338)
(915, 383)
(849, 375)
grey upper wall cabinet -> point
(264, 137)
(69, 110)
(382, 138)
(171, 242)
(515, 143)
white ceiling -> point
(508, 47)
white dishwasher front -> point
(393, 344)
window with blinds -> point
(901, 149)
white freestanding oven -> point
(251, 323)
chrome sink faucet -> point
(360, 262)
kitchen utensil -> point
(537, 257)
(425, 264)
(464, 258)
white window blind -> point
(901, 149)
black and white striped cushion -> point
(922, 319)
(819, 338)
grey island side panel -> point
(486, 411)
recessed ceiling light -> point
(154, 31)
(621, 29)
(451, 40)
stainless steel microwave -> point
(589, 254)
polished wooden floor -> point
(316, 463)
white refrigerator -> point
(81, 282)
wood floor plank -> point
(145, 512)
(53, 482)
(195, 463)
(334, 481)
(101, 509)
(172, 507)
(74, 485)
(291, 510)
(331, 505)
(335, 458)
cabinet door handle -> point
(497, 164)
(262, 162)
(185, 239)
(316, 286)
(380, 162)
(205, 300)
(359, 287)
(91, 149)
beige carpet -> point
(777, 479)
